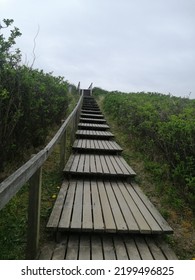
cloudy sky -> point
(125, 45)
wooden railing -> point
(31, 172)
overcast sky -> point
(124, 45)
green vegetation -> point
(153, 174)
(161, 127)
(31, 101)
(32, 104)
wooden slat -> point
(154, 249)
(96, 248)
(97, 210)
(68, 206)
(87, 212)
(121, 253)
(108, 247)
(125, 209)
(119, 220)
(92, 164)
(87, 164)
(129, 169)
(157, 216)
(98, 164)
(76, 222)
(143, 248)
(72, 247)
(60, 249)
(75, 163)
(131, 247)
(143, 225)
(81, 163)
(143, 209)
(107, 212)
(58, 206)
(84, 248)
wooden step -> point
(94, 116)
(93, 126)
(102, 166)
(97, 112)
(94, 134)
(105, 206)
(91, 120)
(94, 246)
(96, 146)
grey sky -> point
(127, 45)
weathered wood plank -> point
(143, 225)
(121, 253)
(84, 248)
(108, 247)
(107, 212)
(65, 219)
(131, 247)
(58, 206)
(143, 248)
(125, 209)
(96, 207)
(143, 209)
(118, 217)
(157, 216)
(76, 222)
(96, 248)
(72, 247)
(87, 224)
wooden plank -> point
(76, 222)
(108, 247)
(116, 166)
(60, 250)
(98, 164)
(143, 248)
(57, 208)
(69, 163)
(75, 163)
(107, 212)
(143, 209)
(96, 208)
(121, 253)
(110, 165)
(125, 209)
(47, 251)
(87, 164)
(154, 249)
(92, 164)
(167, 251)
(87, 212)
(126, 165)
(104, 165)
(142, 223)
(118, 217)
(84, 248)
(81, 163)
(96, 248)
(68, 206)
(157, 216)
(131, 247)
(72, 248)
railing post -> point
(34, 214)
(63, 151)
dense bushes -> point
(163, 127)
(30, 100)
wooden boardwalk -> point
(100, 212)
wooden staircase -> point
(100, 212)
